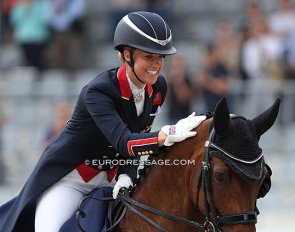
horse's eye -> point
(219, 176)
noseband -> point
(213, 221)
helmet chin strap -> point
(131, 64)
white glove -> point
(123, 181)
(182, 129)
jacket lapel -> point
(129, 107)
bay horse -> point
(218, 187)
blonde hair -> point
(121, 56)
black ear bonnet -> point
(236, 139)
(243, 154)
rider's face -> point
(147, 67)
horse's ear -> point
(265, 120)
(221, 118)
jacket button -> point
(146, 152)
(139, 153)
(117, 155)
(151, 152)
(104, 157)
(99, 167)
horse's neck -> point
(172, 188)
(165, 188)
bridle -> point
(212, 219)
(128, 203)
(212, 223)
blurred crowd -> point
(259, 47)
(48, 32)
(260, 51)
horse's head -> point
(233, 168)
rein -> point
(128, 202)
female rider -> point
(111, 121)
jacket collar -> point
(124, 85)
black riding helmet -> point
(145, 31)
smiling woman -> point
(112, 120)
(147, 66)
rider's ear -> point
(221, 119)
(265, 120)
(126, 54)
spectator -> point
(180, 89)
(66, 20)
(282, 25)
(290, 64)
(6, 28)
(31, 30)
(281, 22)
(262, 53)
(290, 56)
(253, 13)
(61, 116)
(226, 45)
(214, 79)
